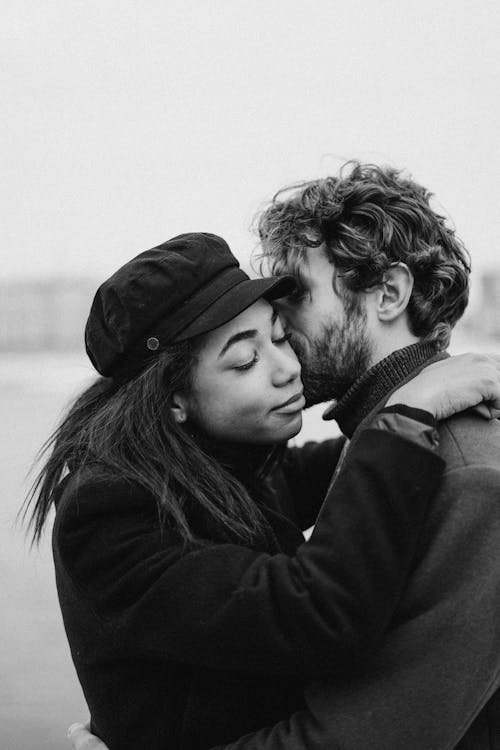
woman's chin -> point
(292, 429)
(271, 434)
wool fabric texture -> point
(434, 683)
(189, 645)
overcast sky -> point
(126, 123)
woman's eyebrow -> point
(241, 336)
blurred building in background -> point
(51, 315)
(481, 321)
(41, 315)
(487, 315)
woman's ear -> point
(179, 408)
(394, 292)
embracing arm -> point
(307, 614)
(442, 388)
(447, 630)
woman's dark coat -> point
(181, 647)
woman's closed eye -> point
(283, 339)
(247, 365)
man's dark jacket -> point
(185, 646)
(433, 684)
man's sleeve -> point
(228, 606)
(309, 469)
(440, 662)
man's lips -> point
(292, 402)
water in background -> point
(39, 693)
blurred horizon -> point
(50, 315)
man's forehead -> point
(306, 263)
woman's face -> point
(246, 385)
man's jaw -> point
(327, 371)
(322, 379)
(319, 391)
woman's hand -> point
(453, 385)
(81, 739)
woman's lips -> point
(295, 403)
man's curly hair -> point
(368, 218)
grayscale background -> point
(125, 123)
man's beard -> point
(337, 357)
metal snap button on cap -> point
(152, 343)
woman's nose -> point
(286, 366)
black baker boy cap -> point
(189, 285)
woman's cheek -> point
(245, 411)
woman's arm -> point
(442, 388)
(454, 384)
(227, 606)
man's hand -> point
(81, 739)
(453, 385)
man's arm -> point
(284, 736)
(440, 662)
(81, 738)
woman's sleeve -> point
(229, 607)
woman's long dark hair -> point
(127, 431)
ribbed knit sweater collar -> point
(377, 383)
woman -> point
(194, 611)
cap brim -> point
(235, 301)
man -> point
(382, 281)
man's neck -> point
(373, 388)
(384, 346)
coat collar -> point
(377, 383)
(247, 462)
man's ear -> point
(394, 292)
(179, 408)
